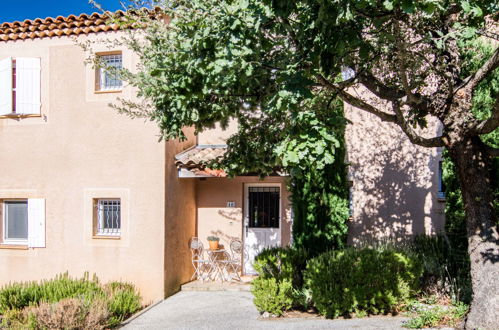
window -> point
(20, 86)
(16, 222)
(107, 77)
(264, 207)
(108, 217)
(24, 222)
(441, 185)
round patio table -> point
(215, 256)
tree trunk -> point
(473, 167)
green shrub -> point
(279, 285)
(85, 300)
(271, 295)
(20, 295)
(282, 263)
(361, 280)
(123, 301)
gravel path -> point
(220, 310)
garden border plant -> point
(80, 302)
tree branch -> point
(378, 88)
(411, 134)
(398, 118)
(492, 63)
(401, 57)
(356, 102)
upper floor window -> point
(20, 86)
(107, 76)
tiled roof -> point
(198, 155)
(59, 26)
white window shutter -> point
(6, 86)
(36, 222)
(28, 85)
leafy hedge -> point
(280, 279)
(337, 282)
(369, 280)
(22, 303)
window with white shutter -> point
(6, 106)
(24, 222)
(15, 222)
(27, 86)
(20, 83)
(36, 222)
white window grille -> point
(109, 78)
(15, 222)
(108, 217)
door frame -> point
(246, 215)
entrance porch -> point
(256, 212)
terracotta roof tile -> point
(196, 156)
(60, 26)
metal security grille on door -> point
(108, 217)
(263, 207)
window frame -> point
(441, 185)
(5, 239)
(98, 229)
(99, 72)
(14, 110)
(272, 189)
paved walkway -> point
(235, 310)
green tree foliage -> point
(320, 198)
(272, 64)
(214, 62)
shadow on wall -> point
(232, 215)
(394, 182)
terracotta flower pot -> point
(213, 245)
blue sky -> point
(19, 10)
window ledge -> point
(109, 91)
(13, 247)
(20, 115)
(106, 237)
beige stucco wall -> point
(180, 220)
(81, 149)
(215, 218)
(216, 134)
(394, 183)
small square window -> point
(107, 76)
(15, 222)
(107, 219)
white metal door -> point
(262, 220)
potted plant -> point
(213, 240)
